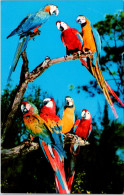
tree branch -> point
(49, 62)
(27, 77)
(27, 147)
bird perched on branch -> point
(50, 140)
(75, 43)
(48, 113)
(28, 27)
(68, 117)
(68, 120)
(83, 127)
(92, 45)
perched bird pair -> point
(88, 43)
(45, 126)
(28, 28)
(49, 127)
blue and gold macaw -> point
(29, 25)
(68, 120)
(92, 45)
(50, 141)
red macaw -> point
(92, 44)
(83, 127)
(50, 139)
(48, 113)
(29, 25)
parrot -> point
(28, 26)
(83, 127)
(49, 139)
(48, 113)
(92, 44)
(73, 42)
(68, 117)
(68, 120)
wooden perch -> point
(20, 150)
(26, 147)
(49, 62)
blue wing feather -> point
(97, 40)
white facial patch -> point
(47, 100)
(62, 24)
(81, 19)
(85, 115)
(54, 10)
(49, 104)
(28, 106)
(69, 101)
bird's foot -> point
(33, 34)
(79, 53)
(88, 52)
(66, 57)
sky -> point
(56, 79)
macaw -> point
(29, 26)
(68, 120)
(92, 45)
(49, 139)
(68, 117)
(48, 113)
(83, 127)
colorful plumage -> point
(83, 127)
(50, 139)
(48, 113)
(29, 25)
(92, 45)
(70, 37)
(68, 120)
(68, 117)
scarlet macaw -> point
(49, 138)
(83, 127)
(48, 113)
(92, 44)
(29, 25)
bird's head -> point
(62, 25)
(27, 107)
(69, 102)
(52, 9)
(85, 114)
(49, 102)
(48, 106)
(82, 20)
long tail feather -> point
(114, 94)
(101, 82)
(20, 48)
(96, 72)
(74, 151)
(58, 167)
